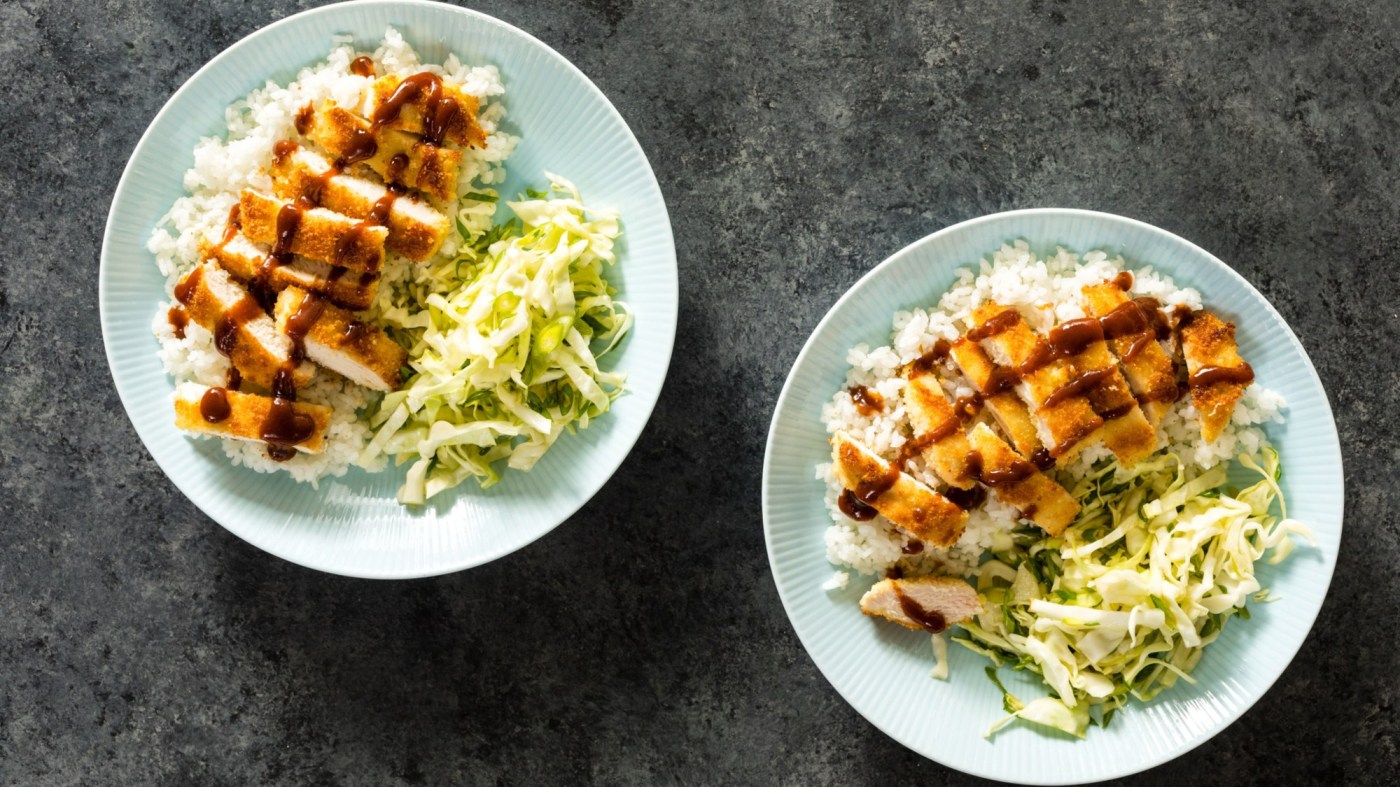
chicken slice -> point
(456, 110)
(243, 416)
(1065, 415)
(927, 515)
(1017, 482)
(242, 330)
(922, 603)
(1215, 371)
(1006, 407)
(335, 339)
(248, 262)
(416, 229)
(1131, 337)
(1126, 430)
(938, 431)
(317, 233)
(398, 157)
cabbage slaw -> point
(500, 338)
(1126, 599)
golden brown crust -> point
(931, 413)
(1149, 372)
(1040, 499)
(247, 412)
(352, 290)
(366, 345)
(1071, 422)
(463, 128)
(320, 234)
(1207, 340)
(256, 361)
(430, 169)
(924, 513)
(1010, 412)
(293, 177)
(1129, 436)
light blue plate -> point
(352, 525)
(883, 671)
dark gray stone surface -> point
(798, 144)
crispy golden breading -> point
(335, 339)
(1071, 422)
(353, 290)
(1209, 342)
(935, 600)
(1007, 408)
(416, 229)
(1149, 371)
(462, 127)
(931, 414)
(925, 514)
(425, 166)
(1039, 498)
(1126, 430)
(247, 412)
(319, 233)
(253, 344)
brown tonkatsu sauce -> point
(853, 508)
(232, 226)
(966, 499)
(178, 318)
(438, 113)
(932, 620)
(393, 174)
(301, 322)
(967, 407)
(1042, 459)
(230, 322)
(931, 359)
(284, 427)
(235, 378)
(870, 491)
(1081, 383)
(867, 402)
(1123, 281)
(912, 547)
(1210, 375)
(213, 405)
(186, 286)
(304, 117)
(362, 66)
(1000, 323)
(354, 331)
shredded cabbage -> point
(1124, 601)
(501, 345)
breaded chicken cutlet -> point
(1216, 373)
(337, 340)
(415, 229)
(922, 603)
(247, 262)
(242, 330)
(919, 510)
(244, 416)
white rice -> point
(223, 167)
(1048, 291)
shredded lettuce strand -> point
(1124, 601)
(504, 344)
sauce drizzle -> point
(931, 620)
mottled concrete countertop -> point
(798, 144)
